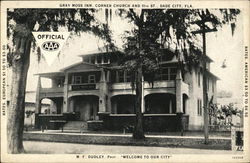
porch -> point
(110, 106)
(115, 122)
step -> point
(75, 125)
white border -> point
(243, 5)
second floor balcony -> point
(52, 92)
(115, 81)
(163, 86)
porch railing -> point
(47, 121)
(51, 90)
(152, 122)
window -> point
(106, 59)
(199, 79)
(166, 73)
(127, 76)
(77, 80)
(91, 79)
(99, 59)
(87, 59)
(92, 59)
(199, 107)
(113, 76)
(213, 86)
(207, 83)
(120, 76)
(60, 82)
(158, 75)
(173, 72)
(208, 66)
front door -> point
(87, 107)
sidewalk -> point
(187, 135)
(190, 140)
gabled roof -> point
(101, 50)
(81, 66)
(50, 74)
(97, 51)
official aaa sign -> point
(50, 43)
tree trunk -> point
(16, 112)
(138, 130)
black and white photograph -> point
(137, 81)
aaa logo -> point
(50, 45)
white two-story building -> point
(98, 93)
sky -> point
(221, 45)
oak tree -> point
(145, 44)
(21, 23)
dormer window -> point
(92, 59)
(99, 59)
(106, 59)
(208, 66)
(86, 59)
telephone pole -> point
(203, 30)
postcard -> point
(127, 81)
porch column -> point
(71, 105)
(114, 107)
(117, 76)
(38, 100)
(179, 103)
(108, 76)
(170, 107)
(103, 97)
(179, 100)
(65, 95)
(108, 96)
